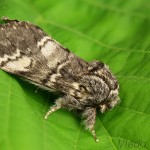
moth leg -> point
(103, 107)
(89, 117)
(108, 105)
(51, 110)
(54, 107)
(67, 102)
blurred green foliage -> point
(116, 32)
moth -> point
(27, 51)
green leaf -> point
(116, 32)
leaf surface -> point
(115, 32)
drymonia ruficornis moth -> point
(27, 51)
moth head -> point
(99, 84)
(95, 86)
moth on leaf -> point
(27, 51)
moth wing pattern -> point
(26, 50)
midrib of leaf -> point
(77, 138)
(110, 139)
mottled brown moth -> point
(27, 51)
